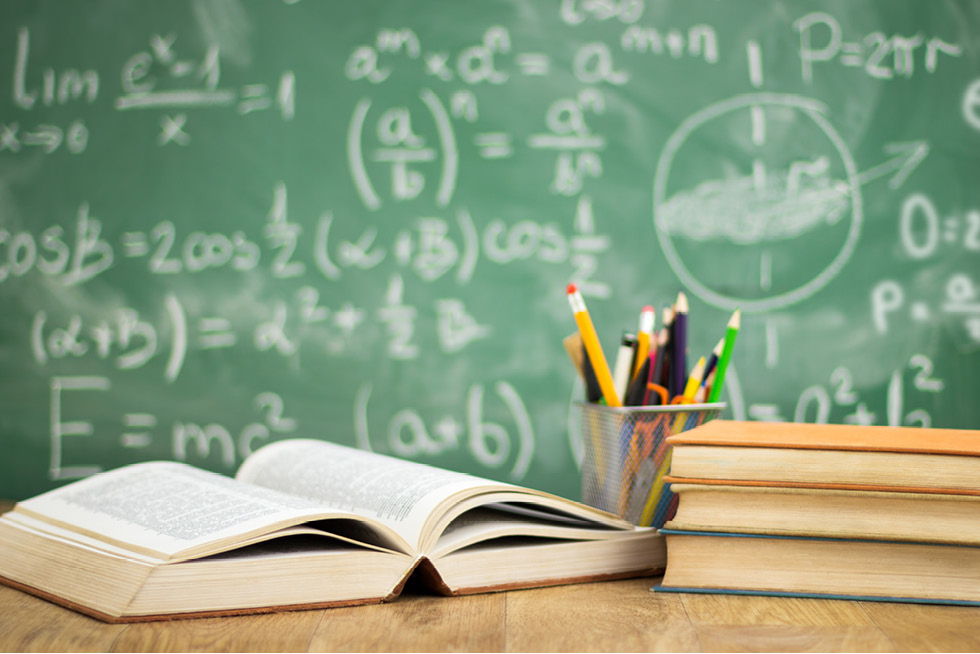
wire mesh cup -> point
(626, 457)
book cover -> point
(912, 440)
(798, 566)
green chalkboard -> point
(226, 222)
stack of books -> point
(882, 513)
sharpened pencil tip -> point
(736, 319)
(681, 305)
(571, 288)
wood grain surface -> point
(612, 616)
(615, 616)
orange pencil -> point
(644, 337)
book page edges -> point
(254, 610)
(822, 565)
(918, 440)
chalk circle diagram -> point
(757, 202)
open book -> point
(305, 524)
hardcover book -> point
(787, 510)
(304, 524)
(826, 510)
(822, 567)
(829, 456)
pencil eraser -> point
(572, 288)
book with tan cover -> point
(807, 436)
(828, 456)
(878, 513)
(797, 566)
(827, 513)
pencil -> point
(712, 361)
(592, 391)
(644, 337)
(592, 346)
(702, 395)
(573, 345)
(726, 355)
(638, 388)
(694, 380)
(663, 349)
(678, 362)
(650, 383)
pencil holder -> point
(626, 457)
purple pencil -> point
(678, 359)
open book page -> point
(498, 521)
(401, 494)
(170, 509)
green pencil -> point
(726, 354)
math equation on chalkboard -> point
(228, 222)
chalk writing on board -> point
(225, 224)
(401, 150)
(493, 444)
(788, 193)
(881, 56)
(187, 439)
(576, 146)
(812, 194)
(815, 402)
(161, 78)
(925, 234)
(56, 87)
(44, 137)
(971, 105)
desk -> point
(610, 616)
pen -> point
(623, 367)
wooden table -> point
(617, 616)
(611, 616)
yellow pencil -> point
(592, 346)
(646, 517)
(690, 390)
(694, 380)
